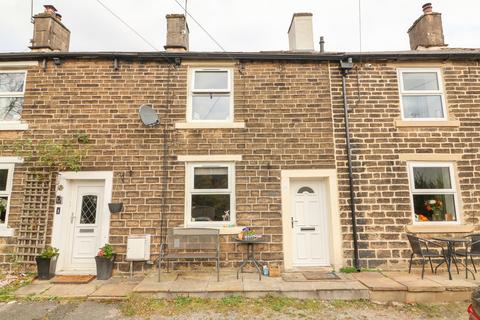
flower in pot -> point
(104, 260)
(46, 263)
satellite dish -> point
(148, 115)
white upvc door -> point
(309, 222)
(83, 227)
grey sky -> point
(241, 25)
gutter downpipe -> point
(345, 67)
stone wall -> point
(286, 108)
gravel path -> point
(89, 310)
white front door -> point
(84, 226)
(309, 222)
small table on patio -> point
(250, 255)
(451, 242)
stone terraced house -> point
(253, 140)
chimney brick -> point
(49, 33)
(177, 33)
(300, 33)
(427, 30)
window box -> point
(210, 97)
(433, 193)
(422, 95)
(210, 196)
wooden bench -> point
(190, 243)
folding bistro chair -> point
(420, 247)
(472, 249)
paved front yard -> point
(232, 307)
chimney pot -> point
(50, 9)
(427, 8)
(300, 33)
(177, 33)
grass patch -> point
(354, 270)
(137, 305)
(7, 292)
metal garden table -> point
(451, 242)
(250, 255)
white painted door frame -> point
(61, 215)
(330, 176)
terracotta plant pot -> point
(46, 267)
(104, 267)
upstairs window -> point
(434, 194)
(12, 89)
(210, 98)
(421, 94)
(6, 177)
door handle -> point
(72, 218)
(292, 220)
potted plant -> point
(46, 263)
(104, 260)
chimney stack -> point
(427, 31)
(49, 33)
(300, 33)
(177, 33)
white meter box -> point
(138, 247)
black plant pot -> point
(104, 267)
(115, 207)
(46, 267)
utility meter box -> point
(138, 247)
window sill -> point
(426, 124)
(13, 126)
(448, 228)
(6, 231)
(209, 125)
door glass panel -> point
(305, 189)
(89, 209)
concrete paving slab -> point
(114, 290)
(415, 282)
(378, 282)
(151, 284)
(33, 289)
(189, 286)
(225, 286)
(266, 284)
(70, 290)
(454, 284)
(338, 285)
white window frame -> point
(189, 191)
(453, 190)
(440, 91)
(192, 91)
(14, 124)
(8, 192)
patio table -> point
(250, 255)
(451, 242)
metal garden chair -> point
(420, 247)
(472, 249)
